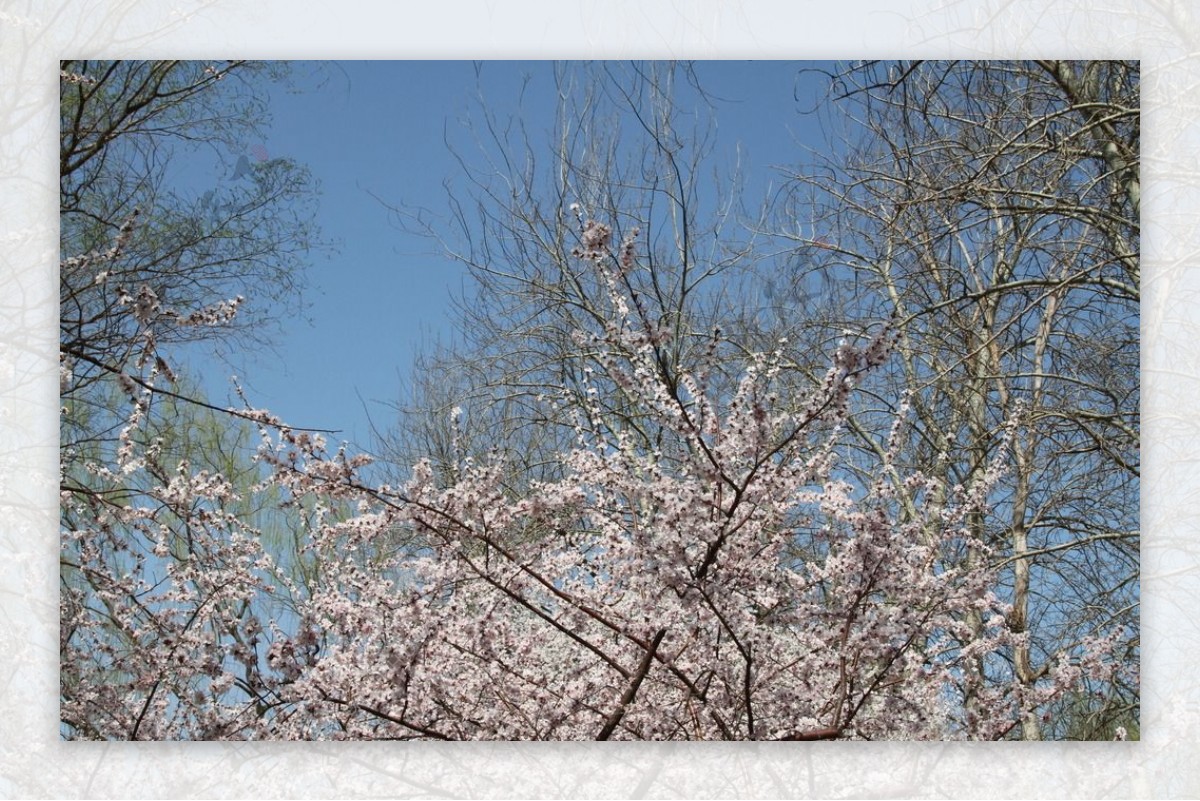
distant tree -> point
(132, 236)
(624, 149)
(995, 207)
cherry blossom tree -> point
(990, 207)
(729, 583)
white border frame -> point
(34, 763)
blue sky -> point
(376, 131)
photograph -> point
(547, 400)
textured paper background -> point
(34, 35)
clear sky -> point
(377, 131)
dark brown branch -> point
(614, 719)
(812, 734)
